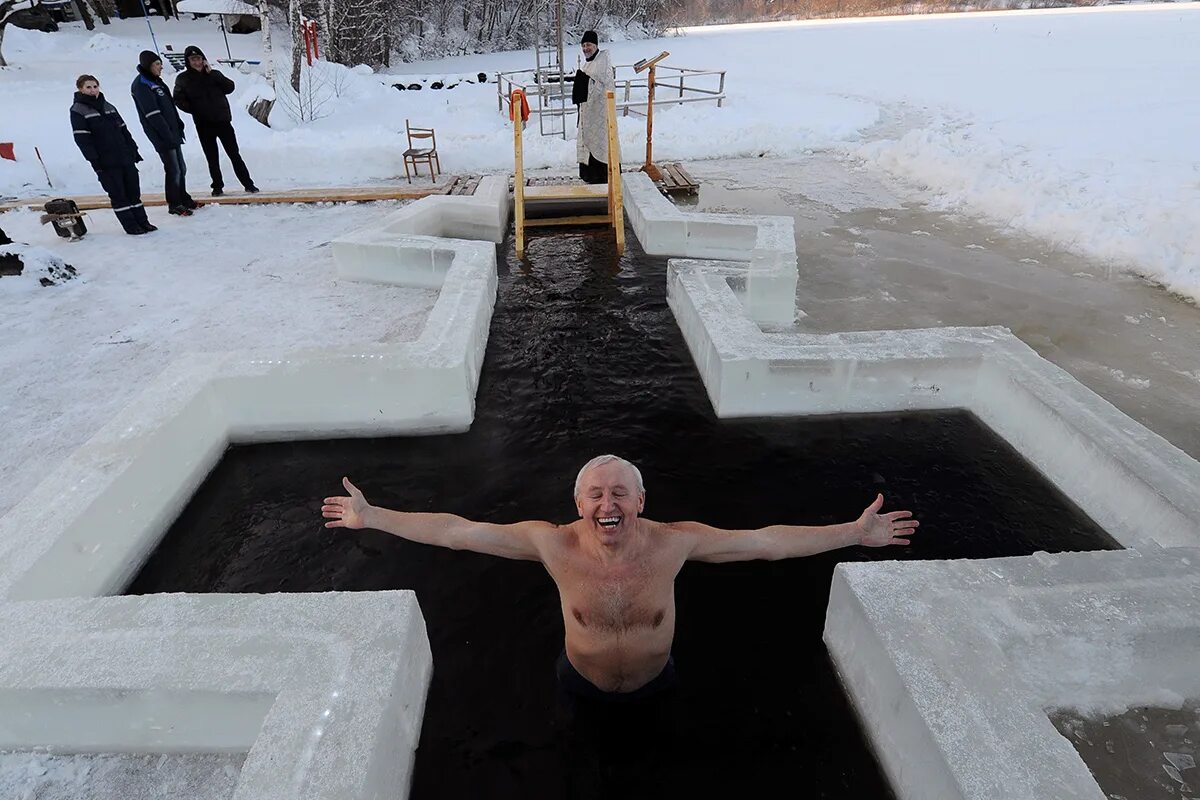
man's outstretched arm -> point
(517, 541)
(871, 529)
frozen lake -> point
(871, 262)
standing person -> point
(164, 129)
(201, 92)
(591, 81)
(108, 146)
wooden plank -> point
(519, 173)
(685, 179)
(685, 174)
(615, 212)
(591, 219)
(552, 180)
(467, 186)
(680, 182)
(584, 191)
(330, 195)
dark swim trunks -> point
(575, 684)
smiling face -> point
(589, 49)
(196, 62)
(609, 502)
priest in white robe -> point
(592, 80)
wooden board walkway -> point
(347, 194)
(675, 180)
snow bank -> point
(41, 268)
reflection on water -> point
(1146, 753)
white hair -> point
(607, 459)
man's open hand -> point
(345, 512)
(880, 530)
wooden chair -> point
(421, 155)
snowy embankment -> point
(1076, 126)
(229, 278)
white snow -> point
(131, 776)
(952, 665)
(1077, 126)
(39, 265)
(229, 278)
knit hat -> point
(590, 36)
(192, 50)
(147, 58)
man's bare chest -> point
(617, 600)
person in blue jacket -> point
(164, 129)
(108, 146)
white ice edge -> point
(1135, 484)
(953, 666)
(325, 691)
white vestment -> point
(593, 114)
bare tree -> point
(295, 26)
(264, 19)
(102, 11)
(85, 15)
(319, 86)
(260, 107)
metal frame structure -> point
(549, 74)
(547, 100)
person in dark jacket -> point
(202, 92)
(108, 146)
(164, 129)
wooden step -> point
(589, 219)
(584, 191)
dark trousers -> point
(125, 194)
(176, 179)
(613, 740)
(209, 133)
(594, 171)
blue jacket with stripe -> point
(101, 133)
(160, 120)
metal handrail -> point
(538, 92)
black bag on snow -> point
(66, 218)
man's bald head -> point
(608, 459)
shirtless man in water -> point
(616, 571)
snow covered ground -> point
(1076, 126)
(1072, 133)
(229, 278)
(130, 776)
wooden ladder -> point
(612, 190)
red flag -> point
(512, 108)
